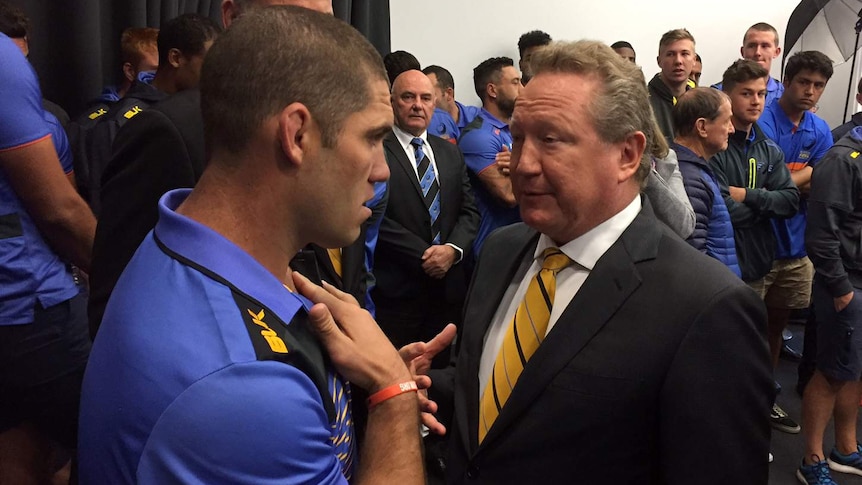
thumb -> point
(324, 326)
(505, 148)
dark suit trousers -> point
(409, 320)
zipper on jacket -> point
(752, 173)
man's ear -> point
(229, 12)
(777, 52)
(175, 57)
(700, 127)
(491, 90)
(632, 151)
(129, 72)
(296, 131)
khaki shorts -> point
(788, 284)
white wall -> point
(459, 34)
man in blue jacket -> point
(702, 122)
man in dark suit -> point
(430, 222)
(161, 149)
(598, 347)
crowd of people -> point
(245, 265)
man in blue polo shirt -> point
(43, 225)
(487, 143)
(760, 44)
(450, 116)
(804, 138)
(205, 368)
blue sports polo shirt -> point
(199, 372)
(445, 127)
(802, 146)
(466, 114)
(480, 142)
(30, 272)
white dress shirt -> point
(404, 139)
(585, 251)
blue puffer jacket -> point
(713, 231)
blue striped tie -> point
(430, 187)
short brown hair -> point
(621, 105)
(279, 55)
(761, 27)
(695, 104)
(672, 36)
(741, 71)
(136, 42)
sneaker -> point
(782, 422)
(851, 463)
(815, 474)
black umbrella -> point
(829, 26)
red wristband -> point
(390, 392)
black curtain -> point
(75, 45)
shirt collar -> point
(210, 250)
(587, 249)
(806, 124)
(496, 123)
(405, 138)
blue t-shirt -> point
(480, 142)
(803, 146)
(174, 391)
(30, 271)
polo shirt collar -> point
(211, 251)
(787, 126)
(496, 123)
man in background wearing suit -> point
(429, 224)
(590, 351)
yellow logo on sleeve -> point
(132, 112)
(275, 342)
(95, 114)
(854, 154)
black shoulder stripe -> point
(292, 344)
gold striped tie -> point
(523, 337)
(335, 258)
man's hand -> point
(737, 193)
(356, 345)
(503, 160)
(437, 259)
(842, 301)
(418, 357)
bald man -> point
(429, 224)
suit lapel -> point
(496, 269)
(614, 278)
(397, 157)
